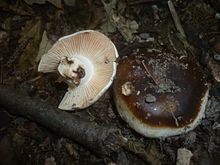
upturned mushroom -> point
(165, 94)
(86, 61)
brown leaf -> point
(45, 45)
(32, 33)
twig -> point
(34, 79)
(148, 73)
(99, 139)
(182, 36)
(176, 19)
(176, 121)
(171, 42)
(92, 116)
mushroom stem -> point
(72, 70)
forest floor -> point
(28, 28)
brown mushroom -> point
(169, 93)
(86, 60)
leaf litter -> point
(34, 40)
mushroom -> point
(86, 61)
(172, 98)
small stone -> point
(183, 156)
(150, 39)
(150, 98)
(50, 161)
(217, 56)
(134, 25)
(217, 16)
(144, 35)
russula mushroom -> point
(86, 61)
(172, 93)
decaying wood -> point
(102, 140)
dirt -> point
(146, 25)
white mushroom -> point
(87, 62)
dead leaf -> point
(31, 28)
(109, 26)
(32, 33)
(97, 16)
(45, 45)
(126, 27)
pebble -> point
(217, 16)
(183, 156)
(150, 98)
(217, 57)
(144, 35)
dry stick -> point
(148, 73)
(179, 26)
(176, 19)
(102, 140)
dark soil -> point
(21, 29)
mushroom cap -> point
(169, 93)
(98, 55)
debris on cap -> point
(127, 88)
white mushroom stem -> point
(72, 70)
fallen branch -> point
(102, 140)
(176, 19)
(182, 37)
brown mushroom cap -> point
(168, 97)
